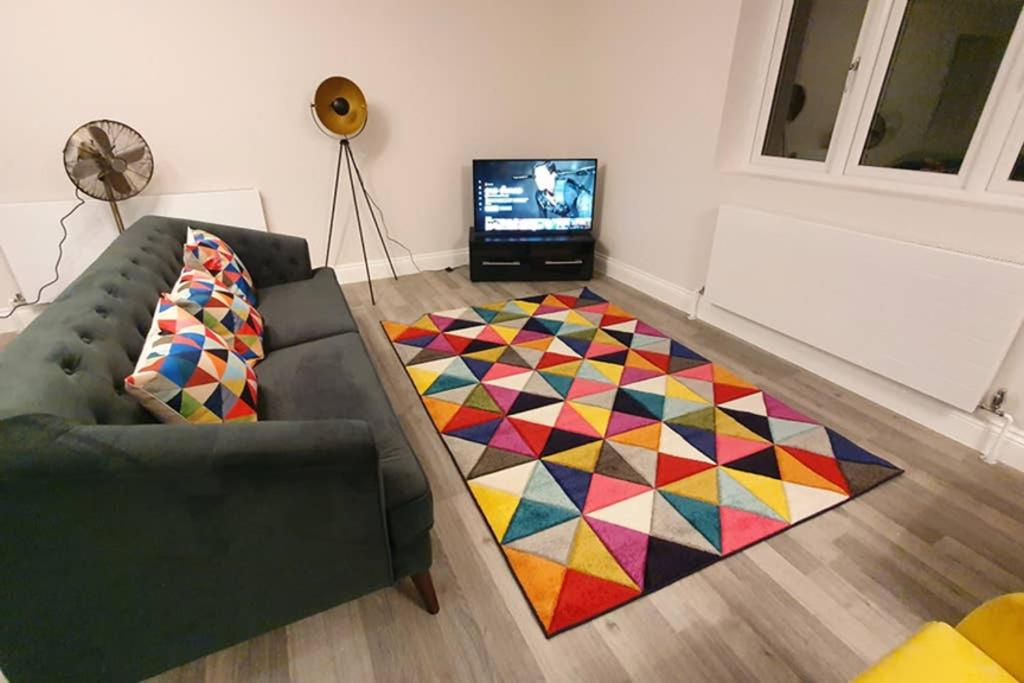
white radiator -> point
(937, 321)
(30, 233)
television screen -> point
(534, 195)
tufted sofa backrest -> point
(71, 361)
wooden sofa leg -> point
(425, 587)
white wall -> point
(666, 79)
(985, 231)
(220, 90)
(659, 71)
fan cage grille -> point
(111, 169)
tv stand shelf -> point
(555, 257)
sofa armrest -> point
(997, 629)
(167, 449)
(127, 550)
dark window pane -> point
(940, 75)
(819, 48)
(1018, 168)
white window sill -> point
(981, 199)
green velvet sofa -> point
(128, 547)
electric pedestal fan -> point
(106, 160)
(110, 161)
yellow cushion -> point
(997, 629)
(936, 654)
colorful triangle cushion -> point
(608, 459)
(226, 313)
(205, 251)
(188, 373)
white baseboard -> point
(662, 290)
(1012, 450)
(23, 315)
(972, 430)
(379, 269)
(980, 432)
(8, 324)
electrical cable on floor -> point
(387, 233)
(56, 266)
(380, 213)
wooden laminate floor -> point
(816, 603)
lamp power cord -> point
(374, 206)
(387, 233)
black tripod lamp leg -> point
(359, 221)
(334, 204)
(373, 214)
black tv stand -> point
(530, 257)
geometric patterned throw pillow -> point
(206, 251)
(223, 311)
(188, 373)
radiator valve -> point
(995, 404)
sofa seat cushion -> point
(333, 377)
(301, 311)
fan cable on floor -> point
(56, 266)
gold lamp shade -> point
(340, 106)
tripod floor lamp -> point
(339, 109)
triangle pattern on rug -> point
(628, 547)
(606, 491)
(531, 516)
(583, 457)
(633, 513)
(667, 562)
(608, 460)
(584, 597)
(741, 528)
(591, 556)
(703, 516)
(553, 543)
(668, 524)
(541, 580)
(574, 482)
(612, 464)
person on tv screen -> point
(558, 194)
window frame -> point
(1000, 182)
(852, 92)
(988, 160)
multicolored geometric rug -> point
(608, 459)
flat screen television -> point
(533, 196)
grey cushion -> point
(334, 378)
(297, 312)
